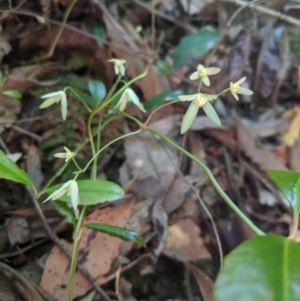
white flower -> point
(127, 96)
(71, 189)
(56, 97)
(203, 74)
(236, 89)
(67, 155)
(119, 66)
(199, 100)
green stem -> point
(75, 252)
(77, 95)
(61, 29)
(106, 103)
(294, 226)
(222, 193)
(108, 144)
(153, 25)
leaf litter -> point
(166, 211)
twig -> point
(265, 10)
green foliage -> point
(9, 170)
(12, 93)
(66, 211)
(92, 192)
(195, 45)
(288, 183)
(164, 67)
(97, 90)
(159, 99)
(262, 268)
(100, 33)
(119, 232)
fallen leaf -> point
(293, 132)
(97, 252)
(9, 109)
(295, 156)
(184, 242)
(205, 284)
(264, 158)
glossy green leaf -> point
(119, 232)
(262, 268)
(288, 183)
(189, 117)
(159, 99)
(211, 113)
(93, 192)
(164, 67)
(195, 45)
(100, 33)
(9, 170)
(12, 93)
(97, 90)
(66, 211)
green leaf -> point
(100, 33)
(195, 45)
(93, 192)
(66, 211)
(12, 93)
(288, 183)
(164, 67)
(9, 170)
(262, 268)
(159, 99)
(122, 233)
(97, 90)
(211, 113)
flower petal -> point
(61, 155)
(240, 81)
(134, 98)
(64, 106)
(194, 76)
(51, 94)
(235, 95)
(189, 117)
(187, 97)
(244, 91)
(206, 81)
(210, 96)
(117, 70)
(212, 70)
(50, 101)
(58, 193)
(74, 193)
(211, 113)
(122, 70)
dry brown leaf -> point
(33, 165)
(264, 158)
(271, 66)
(97, 252)
(293, 132)
(151, 152)
(126, 48)
(184, 242)
(295, 156)
(205, 284)
(9, 108)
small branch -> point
(266, 11)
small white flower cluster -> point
(201, 100)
